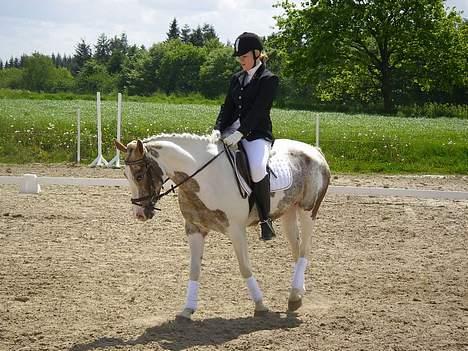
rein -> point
(153, 197)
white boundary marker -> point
(26, 182)
(78, 136)
(115, 162)
(99, 161)
(317, 130)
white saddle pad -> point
(281, 168)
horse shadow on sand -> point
(180, 334)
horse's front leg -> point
(196, 239)
(239, 241)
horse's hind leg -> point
(239, 241)
(298, 283)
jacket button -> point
(240, 106)
(240, 97)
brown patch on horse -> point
(195, 212)
(191, 228)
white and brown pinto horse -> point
(210, 200)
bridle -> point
(153, 197)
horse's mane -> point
(177, 136)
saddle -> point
(278, 169)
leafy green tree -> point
(61, 80)
(174, 31)
(94, 77)
(131, 78)
(179, 67)
(355, 49)
(38, 73)
(216, 71)
(11, 78)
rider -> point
(245, 117)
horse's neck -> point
(177, 154)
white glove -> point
(215, 135)
(233, 139)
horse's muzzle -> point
(143, 213)
(149, 212)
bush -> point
(433, 110)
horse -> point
(209, 200)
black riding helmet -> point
(247, 42)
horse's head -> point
(144, 176)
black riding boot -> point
(262, 199)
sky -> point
(56, 26)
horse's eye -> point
(140, 177)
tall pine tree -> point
(185, 34)
(102, 49)
(174, 31)
(196, 37)
(83, 53)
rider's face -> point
(246, 61)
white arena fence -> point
(30, 183)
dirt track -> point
(78, 273)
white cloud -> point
(58, 25)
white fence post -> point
(317, 130)
(115, 162)
(99, 161)
(78, 136)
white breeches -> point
(258, 152)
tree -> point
(1, 64)
(38, 73)
(196, 37)
(185, 34)
(11, 78)
(94, 77)
(174, 31)
(216, 71)
(179, 67)
(118, 53)
(357, 48)
(102, 49)
(209, 33)
(83, 54)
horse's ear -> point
(120, 146)
(140, 148)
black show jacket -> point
(251, 104)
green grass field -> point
(45, 131)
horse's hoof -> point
(185, 315)
(294, 305)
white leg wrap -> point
(192, 295)
(299, 270)
(254, 290)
